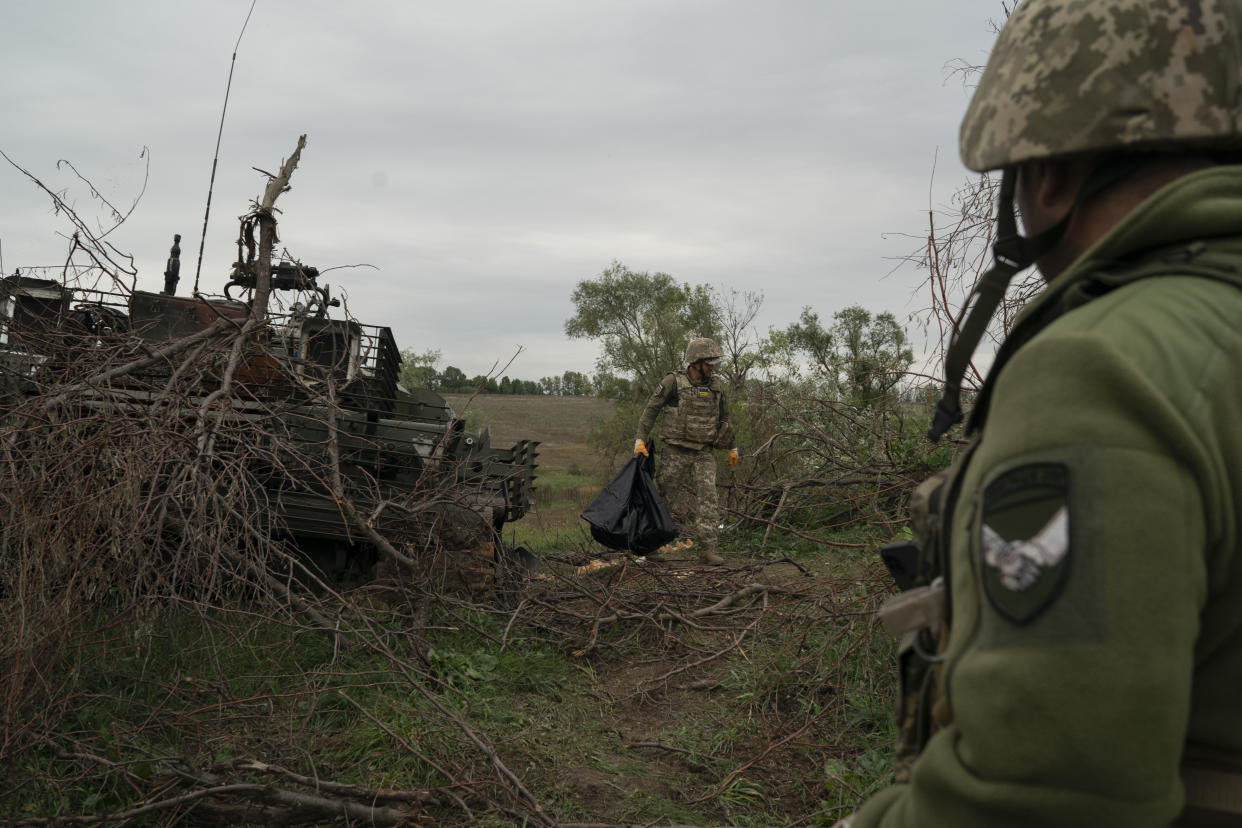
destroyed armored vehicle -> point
(404, 458)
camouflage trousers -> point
(686, 479)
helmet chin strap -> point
(1011, 254)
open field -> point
(569, 476)
(560, 424)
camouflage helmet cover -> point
(1072, 76)
(702, 348)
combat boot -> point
(707, 556)
(675, 546)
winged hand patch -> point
(1025, 540)
(1020, 562)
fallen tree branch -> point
(258, 301)
(160, 355)
(733, 645)
(355, 791)
(405, 744)
(149, 808)
(715, 609)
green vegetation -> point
(597, 690)
(560, 497)
(642, 321)
(224, 691)
(613, 695)
(418, 370)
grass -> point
(841, 674)
(284, 696)
(554, 421)
(568, 477)
(566, 724)
(584, 733)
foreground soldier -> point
(696, 419)
(1086, 668)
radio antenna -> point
(198, 267)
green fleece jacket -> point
(1095, 580)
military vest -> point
(692, 416)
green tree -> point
(743, 349)
(483, 384)
(575, 384)
(454, 381)
(873, 354)
(610, 386)
(863, 356)
(418, 369)
(643, 320)
(808, 338)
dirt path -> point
(702, 712)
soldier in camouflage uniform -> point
(696, 420)
(1072, 647)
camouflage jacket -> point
(1094, 556)
(696, 415)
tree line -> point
(419, 370)
(642, 322)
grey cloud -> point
(490, 154)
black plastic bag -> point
(629, 513)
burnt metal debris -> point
(306, 371)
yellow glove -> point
(732, 461)
(640, 448)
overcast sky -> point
(485, 156)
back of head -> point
(1106, 84)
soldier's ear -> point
(1046, 190)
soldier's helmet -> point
(1076, 76)
(702, 348)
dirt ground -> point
(684, 728)
(676, 730)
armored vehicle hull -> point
(352, 462)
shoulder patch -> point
(1025, 540)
